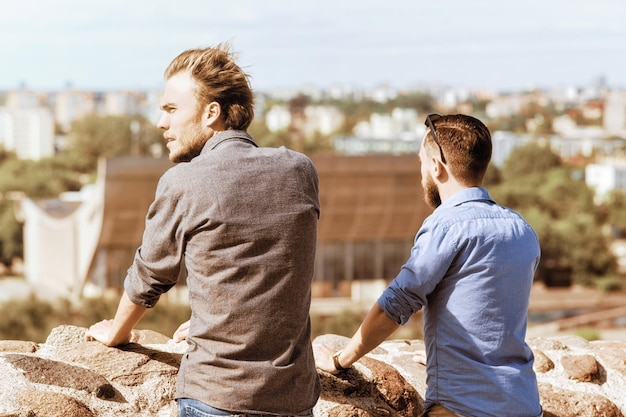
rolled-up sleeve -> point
(159, 260)
(432, 253)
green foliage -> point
(493, 176)
(33, 319)
(262, 135)
(11, 239)
(615, 210)
(586, 248)
(610, 283)
(95, 136)
(560, 208)
(529, 159)
(26, 320)
(38, 179)
(588, 334)
(44, 178)
(6, 155)
(291, 139)
(344, 323)
(347, 322)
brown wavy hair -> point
(220, 79)
(466, 145)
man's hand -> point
(181, 333)
(103, 333)
(119, 330)
(324, 358)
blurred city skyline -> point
(108, 45)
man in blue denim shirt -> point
(471, 269)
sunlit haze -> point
(504, 45)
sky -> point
(493, 44)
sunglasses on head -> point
(430, 119)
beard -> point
(431, 193)
(190, 144)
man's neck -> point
(451, 187)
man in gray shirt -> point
(244, 220)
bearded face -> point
(431, 193)
(182, 119)
(188, 143)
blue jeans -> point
(194, 408)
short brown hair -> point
(466, 144)
(218, 79)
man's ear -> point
(439, 170)
(212, 113)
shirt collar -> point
(225, 135)
(468, 194)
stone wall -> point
(66, 376)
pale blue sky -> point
(501, 44)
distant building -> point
(615, 113)
(322, 119)
(29, 132)
(606, 176)
(278, 118)
(356, 145)
(25, 99)
(398, 132)
(505, 106)
(122, 103)
(400, 122)
(71, 105)
(504, 143)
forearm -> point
(117, 331)
(375, 329)
(126, 318)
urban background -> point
(547, 85)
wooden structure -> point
(372, 206)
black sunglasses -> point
(429, 124)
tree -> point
(528, 159)
(37, 179)
(94, 137)
(561, 210)
(615, 212)
(422, 102)
(11, 240)
(493, 176)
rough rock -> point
(67, 376)
(18, 346)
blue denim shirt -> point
(471, 269)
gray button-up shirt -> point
(242, 220)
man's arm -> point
(376, 327)
(117, 331)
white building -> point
(71, 105)
(605, 177)
(322, 119)
(398, 132)
(21, 99)
(503, 143)
(615, 113)
(278, 118)
(400, 122)
(29, 132)
(122, 103)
